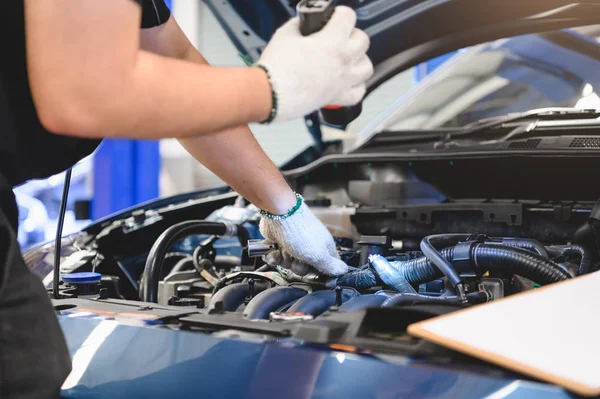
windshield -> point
(497, 78)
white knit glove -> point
(329, 67)
(303, 241)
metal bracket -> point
(562, 213)
(510, 214)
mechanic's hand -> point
(329, 67)
(303, 241)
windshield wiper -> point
(552, 113)
(489, 130)
(484, 126)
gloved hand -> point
(303, 241)
(329, 67)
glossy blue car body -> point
(112, 360)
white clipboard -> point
(551, 333)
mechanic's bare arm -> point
(233, 154)
(89, 77)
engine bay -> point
(209, 274)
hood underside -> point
(405, 33)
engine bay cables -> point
(59, 229)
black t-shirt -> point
(27, 150)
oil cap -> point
(82, 278)
(84, 283)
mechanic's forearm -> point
(89, 78)
(195, 99)
(236, 157)
(233, 154)
(163, 98)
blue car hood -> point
(405, 33)
(112, 360)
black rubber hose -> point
(201, 252)
(413, 299)
(526, 243)
(359, 279)
(227, 261)
(585, 255)
(486, 256)
(518, 261)
(270, 300)
(150, 277)
(234, 295)
(391, 276)
(185, 263)
(421, 270)
(362, 302)
(417, 271)
(491, 257)
(320, 301)
(586, 258)
(428, 248)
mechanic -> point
(74, 72)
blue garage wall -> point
(126, 172)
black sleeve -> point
(154, 13)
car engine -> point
(199, 264)
(449, 272)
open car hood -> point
(405, 33)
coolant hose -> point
(421, 270)
(150, 277)
(483, 256)
(270, 300)
(391, 276)
(491, 257)
(413, 299)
